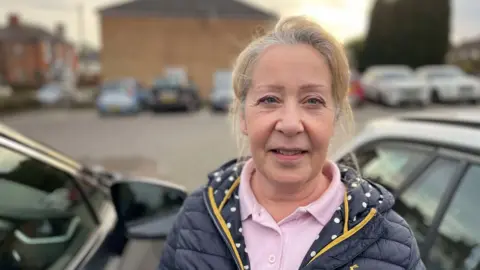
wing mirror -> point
(147, 209)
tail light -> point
(357, 88)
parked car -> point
(394, 85)
(56, 213)
(431, 163)
(171, 94)
(124, 96)
(356, 95)
(222, 93)
(450, 83)
(54, 94)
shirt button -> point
(271, 259)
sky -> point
(343, 18)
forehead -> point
(291, 64)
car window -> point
(418, 204)
(387, 164)
(457, 245)
(43, 219)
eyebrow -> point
(276, 87)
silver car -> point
(431, 163)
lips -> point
(288, 155)
(289, 152)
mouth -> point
(288, 152)
(288, 155)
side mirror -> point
(147, 209)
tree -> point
(408, 32)
(355, 48)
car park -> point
(123, 96)
(394, 85)
(449, 83)
(169, 93)
(222, 94)
(59, 214)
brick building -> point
(29, 54)
(143, 38)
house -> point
(30, 55)
(147, 38)
(89, 68)
(466, 55)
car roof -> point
(438, 67)
(22, 139)
(454, 129)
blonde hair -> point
(290, 31)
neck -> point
(281, 200)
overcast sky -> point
(344, 18)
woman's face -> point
(289, 113)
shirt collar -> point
(321, 209)
(247, 199)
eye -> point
(268, 100)
(315, 101)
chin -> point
(287, 175)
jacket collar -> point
(363, 201)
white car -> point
(394, 85)
(431, 163)
(450, 83)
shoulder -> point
(398, 245)
(194, 213)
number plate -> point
(168, 97)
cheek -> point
(258, 127)
(321, 131)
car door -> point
(45, 223)
(453, 242)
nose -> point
(290, 120)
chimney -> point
(60, 30)
(13, 20)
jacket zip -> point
(222, 233)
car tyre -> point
(435, 98)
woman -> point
(287, 206)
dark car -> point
(170, 94)
(58, 214)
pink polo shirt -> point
(283, 245)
